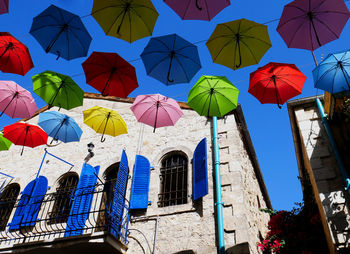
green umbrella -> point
(58, 90)
(4, 143)
(238, 43)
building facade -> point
(155, 200)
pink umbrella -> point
(15, 101)
(156, 110)
(309, 24)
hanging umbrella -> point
(276, 83)
(332, 74)
(171, 59)
(25, 134)
(58, 90)
(4, 143)
(238, 43)
(197, 9)
(105, 121)
(15, 101)
(128, 20)
(4, 6)
(61, 33)
(14, 56)
(307, 24)
(156, 110)
(110, 74)
(213, 96)
(60, 126)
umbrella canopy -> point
(25, 134)
(171, 59)
(58, 90)
(332, 74)
(128, 20)
(60, 126)
(61, 33)
(4, 6)
(15, 101)
(110, 74)
(238, 43)
(4, 143)
(276, 83)
(156, 110)
(309, 24)
(197, 9)
(213, 96)
(105, 121)
(14, 55)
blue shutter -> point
(29, 204)
(200, 170)
(140, 183)
(82, 200)
(116, 209)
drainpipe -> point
(333, 144)
(218, 203)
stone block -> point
(324, 173)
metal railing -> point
(67, 213)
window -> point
(63, 198)
(7, 202)
(173, 180)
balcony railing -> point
(65, 214)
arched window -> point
(110, 177)
(7, 202)
(63, 198)
(173, 180)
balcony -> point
(87, 220)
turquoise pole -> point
(333, 144)
(218, 203)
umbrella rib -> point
(250, 51)
(217, 104)
(186, 9)
(296, 31)
(183, 69)
(222, 48)
(165, 45)
(77, 39)
(158, 63)
(292, 19)
(258, 39)
(328, 28)
(187, 57)
(167, 113)
(114, 21)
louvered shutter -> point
(29, 205)
(116, 209)
(200, 170)
(140, 183)
(82, 200)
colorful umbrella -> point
(60, 126)
(105, 121)
(197, 9)
(156, 110)
(14, 56)
(61, 33)
(213, 96)
(4, 6)
(15, 101)
(110, 74)
(4, 143)
(276, 83)
(128, 20)
(307, 24)
(171, 59)
(58, 90)
(25, 134)
(332, 74)
(238, 43)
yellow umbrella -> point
(105, 121)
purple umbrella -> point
(4, 6)
(197, 9)
(309, 24)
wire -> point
(149, 247)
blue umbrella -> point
(171, 59)
(60, 126)
(61, 33)
(332, 74)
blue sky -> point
(268, 126)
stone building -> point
(316, 158)
(165, 218)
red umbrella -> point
(110, 74)
(25, 134)
(4, 6)
(14, 56)
(276, 83)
